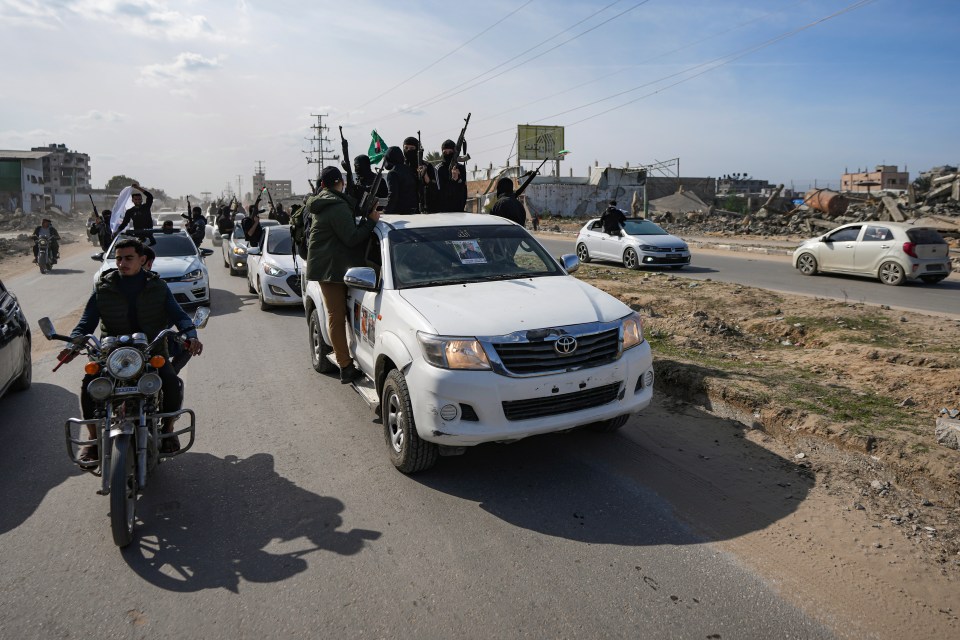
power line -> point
(716, 63)
(442, 94)
(445, 56)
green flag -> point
(378, 148)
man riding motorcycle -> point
(125, 301)
(46, 230)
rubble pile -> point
(938, 207)
(16, 229)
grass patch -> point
(865, 411)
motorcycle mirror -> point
(206, 253)
(200, 317)
(46, 326)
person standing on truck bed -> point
(336, 244)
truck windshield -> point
(456, 255)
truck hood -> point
(499, 308)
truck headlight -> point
(632, 331)
(193, 276)
(273, 270)
(448, 352)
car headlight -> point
(273, 270)
(648, 247)
(632, 331)
(448, 352)
(193, 276)
(125, 363)
(239, 251)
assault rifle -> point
(369, 201)
(533, 174)
(461, 154)
(93, 204)
(345, 163)
(421, 171)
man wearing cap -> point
(46, 230)
(451, 178)
(336, 243)
(140, 212)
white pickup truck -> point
(468, 331)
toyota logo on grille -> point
(565, 345)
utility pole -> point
(260, 167)
(239, 187)
(321, 150)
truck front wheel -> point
(407, 451)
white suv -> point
(469, 332)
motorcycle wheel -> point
(42, 263)
(123, 490)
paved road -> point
(286, 520)
(777, 274)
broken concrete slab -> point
(893, 209)
(948, 432)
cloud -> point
(13, 139)
(154, 19)
(95, 116)
(177, 74)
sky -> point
(188, 95)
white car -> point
(234, 248)
(893, 252)
(272, 273)
(468, 331)
(644, 245)
(178, 262)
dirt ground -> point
(804, 434)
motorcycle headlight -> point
(273, 270)
(632, 331)
(193, 276)
(100, 388)
(448, 352)
(125, 363)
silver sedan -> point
(642, 244)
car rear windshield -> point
(167, 245)
(279, 241)
(925, 235)
(643, 228)
(458, 255)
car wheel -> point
(264, 305)
(609, 426)
(932, 279)
(22, 383)
(807, 264)
(226, 264)
(891, 273)
(583, 253)
(630, 259)
(407, 451)
(318, 348)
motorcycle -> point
(127, 394)
(44, 254)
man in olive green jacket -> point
(336, 244)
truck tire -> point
(319, 348)
(609, 426)
(408, 453)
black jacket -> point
(401, 185)
(510, 208)
(140, 215)
(453, 195)
(612, 220)
(253, 237)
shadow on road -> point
(59, 271)
(615, 488)
(224, 302)
(33, 459)
(206, 523)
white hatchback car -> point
(893, 252)
(468, 331)
(272, 273)
(644, 245)
(179, 263)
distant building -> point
(278, 188)
(65, 172)
(741, 184)
(21, 180)
(885, 176)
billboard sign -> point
(538, 142)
